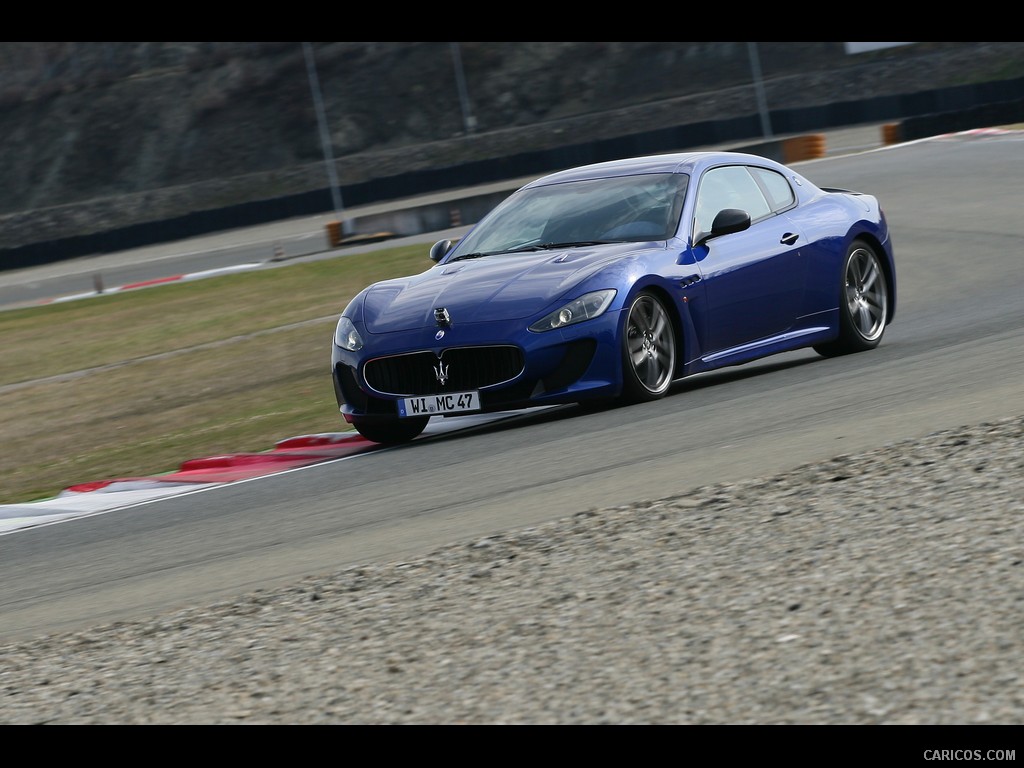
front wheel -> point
(648, 350)
(391, 431)
(863, 305)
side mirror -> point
(441, 247)
(727, 221)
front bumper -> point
(573, 364)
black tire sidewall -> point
(633, 390)
(390, 432)
(850, 337)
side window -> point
(729, 186)
(780, 193)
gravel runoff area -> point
(880, 588)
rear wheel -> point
(863, 303)
(648, 349)
(391, 431)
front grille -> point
(419, 373)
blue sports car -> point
(610, 281)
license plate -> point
(455, 402)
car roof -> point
(677, 162)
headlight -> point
(584, 308)
(346, 336)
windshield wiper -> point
(574, 244)
(556, 246)
(525, 248)
(533, 247)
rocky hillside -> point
(236, 121)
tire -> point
(648, 350)
(863, 303)
(391, 431)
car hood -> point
(489, 289)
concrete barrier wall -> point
(907, 117)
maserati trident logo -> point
(441, 372)
(441, 316)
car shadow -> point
(739, 373)
(570, 411)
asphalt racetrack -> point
(953, 356)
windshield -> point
(611, 210)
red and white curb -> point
(86, 499)
(155, 281)
(106, 495)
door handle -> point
(789, 238)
